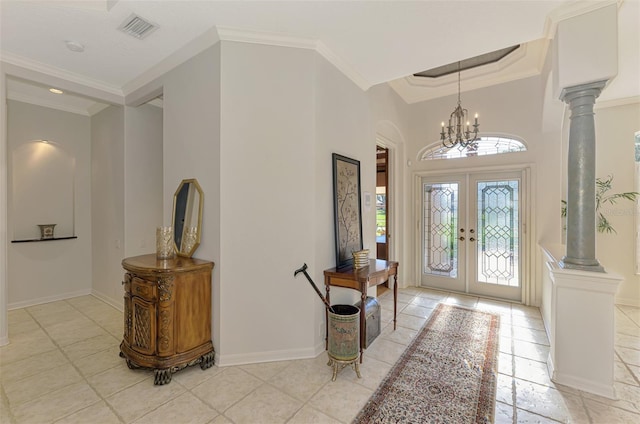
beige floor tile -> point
(505, 363)
(309, 415)
(98, 413)
(303, 378)
(372, 373)
(417, 311)
(526, 417)
(32, 365)
(100, 361)
(226, 388)
(86, 347)
(32, 387)
(385, 350)
(265, 370)
(142, 398)
(55, 405)
(503, 413)
(410, 321)
(542, 400)
(528, 350)
(22, 326)
(603, 413)
(5, 411)
(629, 356)
(624, 340)
(433, 294)
(341, 399)
(401, 335)
(265, 404)
(461, 300)
(118, 378)
(530, 370)
(67, 333)
(193, 376)
(184, 409)
(518, 310)
(526, 322)
(623, 374)
(530, 335)
(220, 419)
(47, 320)
(26, 345)
(425, 302)
(504, 389)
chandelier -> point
(458, 132)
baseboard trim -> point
(268, 356)
(48, 299)
(106, 299)
(627, 301)
(596, 388)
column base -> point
(581, 264)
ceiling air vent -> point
(137, 27)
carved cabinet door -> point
(143, 334)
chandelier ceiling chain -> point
(458, 133)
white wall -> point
(267, 202)
(46, 271)
(191, 149)
(107, 203)
(615, 128)
(143, 166)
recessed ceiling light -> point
(56, 91)
(75, 46)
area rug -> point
(447, 374)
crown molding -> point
(32, 65)
(271, 39)
(572, 10)
(25, 98)
(617, 102)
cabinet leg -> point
(162, 377)
(207, 360)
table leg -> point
(363, 314)
(395, 299)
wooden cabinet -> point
(167, 314)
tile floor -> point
(63, 366)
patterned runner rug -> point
(447, 374)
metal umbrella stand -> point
(343, 335)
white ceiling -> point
(371, 41)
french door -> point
(471, 234)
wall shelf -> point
(41, 239)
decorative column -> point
(581, 200)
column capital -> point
(591, 89)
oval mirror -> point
(187, 217)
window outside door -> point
(471, 234)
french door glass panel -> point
(472, 244)
(443, 257)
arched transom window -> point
(485, 145)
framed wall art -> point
(347, 209)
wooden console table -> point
(378, 272)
